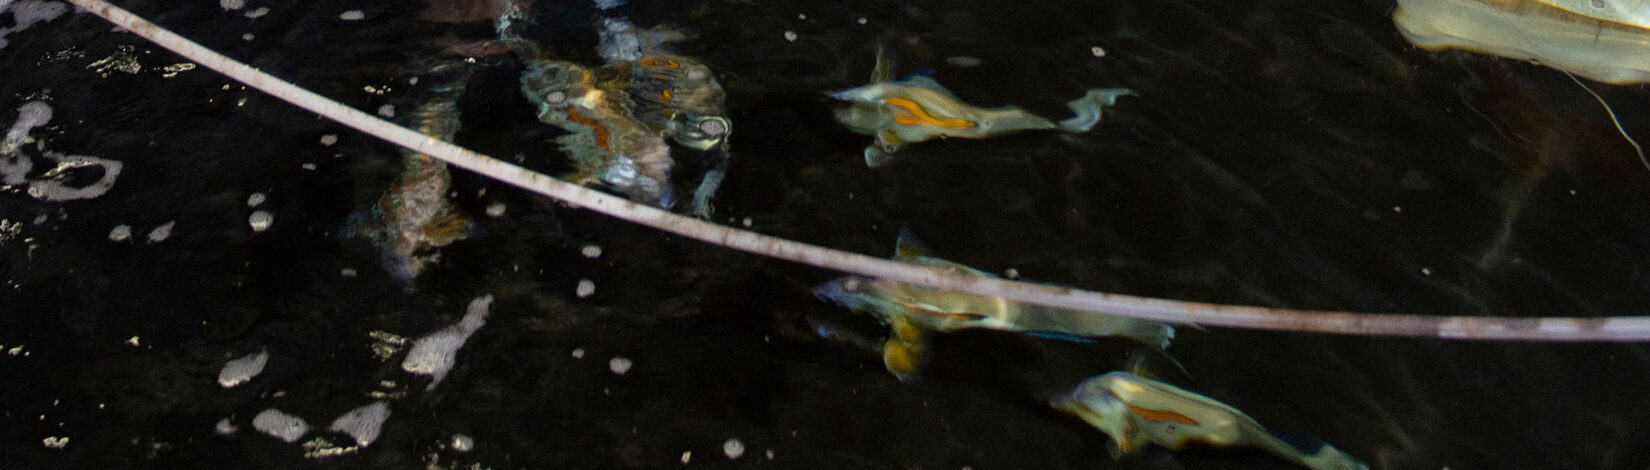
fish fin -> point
(908, 246)
(883, 71)
(902, 354)
(1147, 364)
(1060, 336)
(875, 157)
(707, 188)
(926, 83)
(1087, 108)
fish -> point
(1136, 412)
(414, 216)
(918, 108)
(911, 311)
(621, 117)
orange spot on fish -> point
(910, 113)
(657, 61)
(601, 131)
(664, 96)
(1162, 415)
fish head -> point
(699, 132)
(853, 292)
(1096, 403)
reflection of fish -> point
(1136, 411)
(918, 108)
(619, 115)
(909, 309)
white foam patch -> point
(591, 251)
(387, 111)
(586, 288)
(255, 13)
(161, 233)
(364, 423)
(225, 428)
(733, 448)
(463, 443)
(255, 199)
(52, 185)
(352, 15)
(261, 220)
(232, 4)
(620, 365)
(120, 233)
(26, 13)
(280, 425)
(242, 369)
(434, 354)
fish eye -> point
(713, 126)
(556, 97)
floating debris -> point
(255, 199)
(790, 35)
(686, 456)
(387, 111)
(161, 233)
(225, 428)
(578, 353)
(1097, 51)
(733, 449)
(619, 365)
(770, 454)
(260, 11)
(352, 15)
(364, 423)
(232, 4)
(261, 220)
(434, 354)
(591, 251)
(329, 139)
(120, 233)
(280, 425)
(586, 288)
(495, 209)
(242, 369)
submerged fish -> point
(911, 309)
(1136, 411)
(414, 216)
(620, 115)
(918, 108)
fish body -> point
(604, 142)
(621, 115)
(918, 108)
(414, 215)
(910, 310)
(1135, 412)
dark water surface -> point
(1294, 154)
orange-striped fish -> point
(918, 108)
(1136, 411)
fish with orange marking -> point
(918, 108)
(1136, 412)
(911, 310)
(622, 117)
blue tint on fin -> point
(1060, 336)
(908, 246)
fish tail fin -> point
(902, 354)
(1149, 365)
(1087, 108)
(1330, 458)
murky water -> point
(1283, 154)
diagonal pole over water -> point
(1172, 311)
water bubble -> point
(790, 36)
(352, 15)
(495, 209)
(586, 288)
(329, 139)
(387, 110)
(255, 199)
(591, 251)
